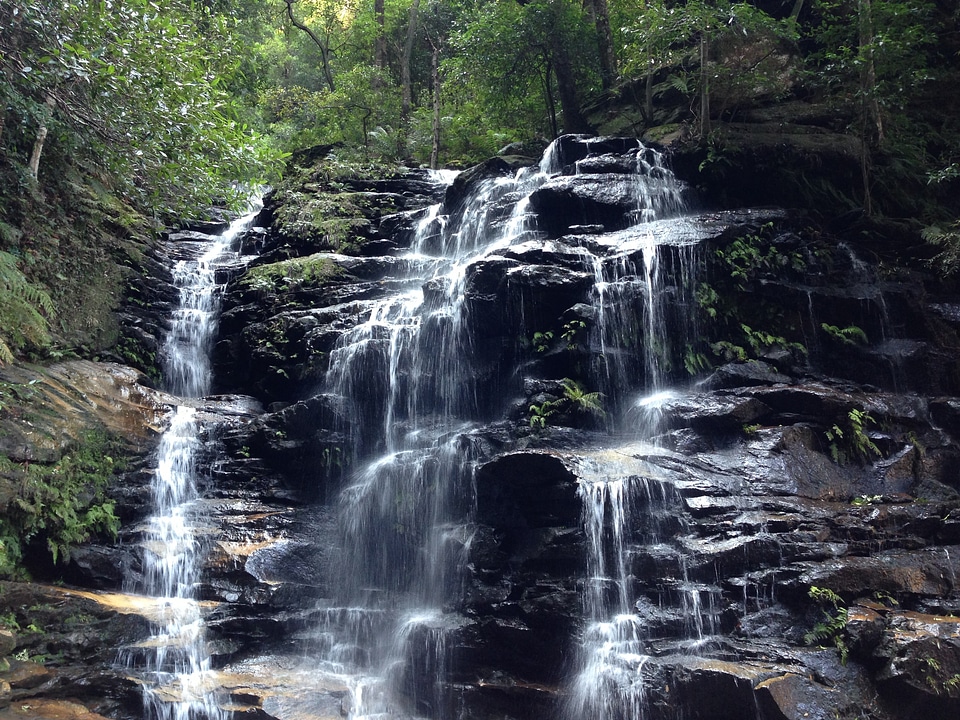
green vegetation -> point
(848, 440)
(833, 624)
(851, 335)
(62, 504)
(572, 331)
(292, 273)
(135, 93)
(24, 309)
(541, 341)
(735, 329)
(575, 402)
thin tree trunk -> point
(648, 90)
(797, 7)
(380, 44)
(871, 121)
(551, 103)
(865, 175)
(405, 81)
(608, 58)
(33, 167)
(868, 72)
(435, 77)
(705, 127)
(573, 120)
(324, 50)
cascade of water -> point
(176, 665)
(639, 323)
(410, 396)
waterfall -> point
(174, 663)
(410, 394)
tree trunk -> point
(551, 103)
(33, 167)
(380, 44)
(324, 49)
(599, 11)
(405, 82)
(648, 89)
(435, 78)
(573, 120)
(797, 7)
(705, 127)
(868, 73)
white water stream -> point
(173, 664)
(408, 388)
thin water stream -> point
(173, 664)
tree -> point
(599, 11)
(523, 60)
(138, 92)
(322, 44)
(405, 81)
(874, 53)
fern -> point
(831, 629)
(63, 503)
(948, 238)
(23, 306)
(591, 402)
(851, 335)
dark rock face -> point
(810, 443)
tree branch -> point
(324, 50)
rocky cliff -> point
(778, 401)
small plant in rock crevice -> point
(831, 629)
(571, 332)
(575, 400)
(849, 442)
(737, 322)
(541, 341)
(851, 335)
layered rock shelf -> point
(788, 437)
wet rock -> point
(8, 641)
(715, 413)
(922, 663)
(733, 375)
(605, 200)
(467, 181)
(521, 491)
(59, 405)
(927, 572)
(793, 697)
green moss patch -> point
(308, 271)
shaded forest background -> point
(116, 118)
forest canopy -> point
(176, 100)
(171, 106)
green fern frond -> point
(23, 307)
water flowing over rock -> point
(546, 442)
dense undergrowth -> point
(55, 506)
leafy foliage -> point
(735, 331)
(831, 628)
(849, 440)
(24, 308)
(575, 401)
(135, 90)
(63, 503)
(850, 335)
